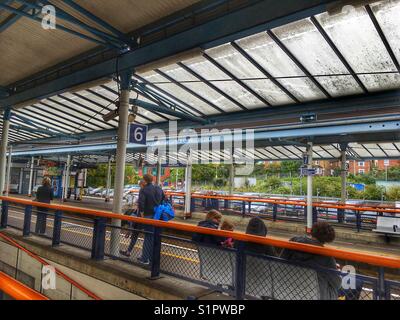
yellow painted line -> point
(126, 242)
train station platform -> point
(349, 239)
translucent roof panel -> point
(379, 82)
(375, 150)
(307, 44)
(387, 14)
(201, 88)
(243, 69)
(174, 90)
(268, 54)
(390, 149)
(356, 37)
(221, 80)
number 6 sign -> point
(138, 134)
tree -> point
(98, 177)
(393, 194)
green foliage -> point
(98, 177)
(373, 192)
(393, 194)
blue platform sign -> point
(138, 134)
(307, 172)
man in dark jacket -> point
(44, 194)
(150, 196)
(329, 282)
(213, 219)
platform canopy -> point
(341, 65)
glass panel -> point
(390, 149)
(211, 73)
(201, 88)
(379, 82)
(180, 94)
(272, 93)
(356, 37)
(387, 14)
(268, 54)
(304, 40)
(375, 150)
(270, 153)
(286, 152)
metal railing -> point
(359, 217)
(240, 271)
(11, 289)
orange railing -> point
(17, 290)
(301, 203)
(375, 260)
(45, 263)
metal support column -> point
(188, 187)
(21, 180)
(343, 173)
(120, 159)
(309, 188)
(31, 177)
(8, 177)
(108, 183)
(3, 148)
(159, 170)
(231, 181)
(67, 177)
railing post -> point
(240, 275)
(381, 284)
(249, 207)
(156, 254)
(193, 205)
(315, 215)
(57, 229)
(243, 208)
(340, 215)
(226, 204)
(4, 215)
(99, 238)
(358, 220)
(27, 221)
(274, 212)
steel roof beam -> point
(211, 85)
(383, 37)
(238, 81)
(166, 110)
(10, 20)
(338, 53)
(265, 72)
(237, 24)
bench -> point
(265, 279)
(389, 226)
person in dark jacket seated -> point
(329, 282)
(213, 220)
(257, 227)
(44, 194)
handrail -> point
(375, 260)
(301, 203)
(45, 263)
(17, 290)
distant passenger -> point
(150, 196)
(257, 227)
(227, 226)
(213, 220)
(329, 282)
(44, 194)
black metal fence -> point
(234, 271)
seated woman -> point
(257, 227)
(329, 282)
(213, 220)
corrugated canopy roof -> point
(323, 57)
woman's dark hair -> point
(46, 182)
(257, 227)
(148, 178)
(323, 232)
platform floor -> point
(275, 229)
